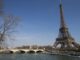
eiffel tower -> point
(64, 40)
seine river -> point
(36, 57)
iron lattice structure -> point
(65, 40)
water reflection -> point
(35, 57)
(62, 57)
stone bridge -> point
(23, 51)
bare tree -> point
(8, 25)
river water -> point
(36, 57)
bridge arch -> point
(39, 51)
(31, 51)
(22, 51)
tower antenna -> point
(60, 1)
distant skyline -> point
(40, 20)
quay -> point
(67, 53)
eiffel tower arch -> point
(64, 39)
